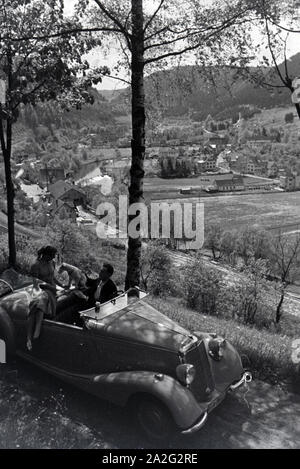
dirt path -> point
(269, 419)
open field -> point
(199, 182)
(265, 210)
(268, 210)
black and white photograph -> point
(149, 228)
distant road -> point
(287, 228)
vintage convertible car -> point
(129, 353)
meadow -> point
(265, 210)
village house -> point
(65, 196)
(256, 166)
(229, 184)
(51, 175)
(272, 169)
(64, 210)
(206, 163)
(168, 152)
(258, 141)
(239, 163)
(289, 181)
(33, 191)
(245, 164)
(230, 158)
(193, 140)
(210, 163)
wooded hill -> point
(213, 90)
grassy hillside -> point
(275, 117)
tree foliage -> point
(156, 270)
(38, 62)
(201, 286)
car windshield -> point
(112, 306)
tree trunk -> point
(6, 151)
(279, 307)
(297, 106)
(10, 212)
(138, 137)
(213, 253)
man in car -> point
(106, 289)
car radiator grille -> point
(203, 384)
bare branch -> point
(154, 15)
(118, 78)
(158, 32)
(114, 20)
(124, 52)
(215, 30)
(270, 85)
(283, 28)
(273, 55)
(68, 32)
(287, 76)
(172, 54)
(172, 41)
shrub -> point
(289, 117)
(200, 286)
(156, 270)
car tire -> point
(7, 335)
(153, 418)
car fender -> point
(179, 400)
(7, 333)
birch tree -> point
(152, 34)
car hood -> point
(140, 322)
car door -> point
(66, 347)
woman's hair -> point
(50, 251)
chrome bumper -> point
(197, 425)
(246, 378)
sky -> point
(97, 57)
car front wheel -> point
(154, 418)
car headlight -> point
(186, 373)
(216, 348)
